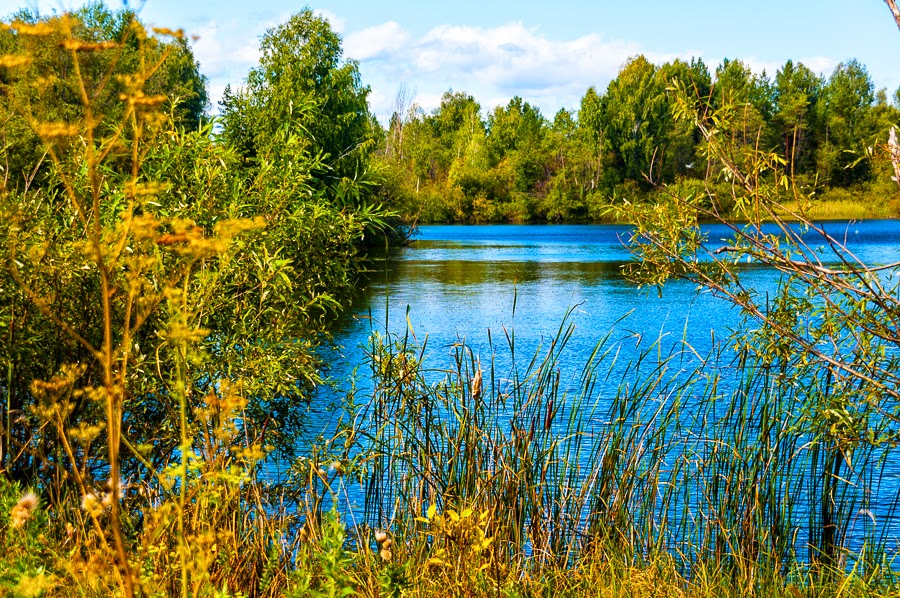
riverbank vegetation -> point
(464, 162)
(165, 286)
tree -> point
(304, 86)
(636, 121)
(829, 329)
(516, 134)
(176, 76)
(847, 99)
(797, 92)
(680, 158)
(751, 95)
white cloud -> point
(382, 40)
(222, 54)
(228, 50)
(492, 64)
(820, 65)
(337, 23)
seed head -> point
(90, 503)
(476, 384)
(23, 510)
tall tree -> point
(750, 94)
(847, 100)
(797, 92)
(516, 134)
(303, 85)
(683, 137)
(636, 121)
(590, 132)
(121, 48)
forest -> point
(466, 163)
(170, 282)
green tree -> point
(680, 158)
(751, 96)
(797, 94)
(590, 133)
(303, 85)
(569, 162)
(174, 75)
(847, 102)
(636, 122)
(516, 134)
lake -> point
(459, 282)
(484, 284)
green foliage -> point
(848, 98)
(304, 87)
(47, 87)
(636, 122)
(829, 326)
(23, 541)
(154, 295)
(514, 165)
(797, 92)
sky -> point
(547, 52)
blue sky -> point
(548, 52)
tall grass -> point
(713, 467)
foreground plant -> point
(154, 294)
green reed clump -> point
(716, 470)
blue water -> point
(483, 283)
(459, 282)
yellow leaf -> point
(453, 515)
(466, 513)
(431, 511)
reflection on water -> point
(461, 281)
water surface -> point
(459, 282)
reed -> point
(713, 469)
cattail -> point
(548, 419)
(476, 384)
(24, 510)
(380, 536)
(385, 554)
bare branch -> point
(892, 4)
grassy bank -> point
(667, 476)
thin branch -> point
(809, 266)
(892, 4)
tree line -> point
(515, 164)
